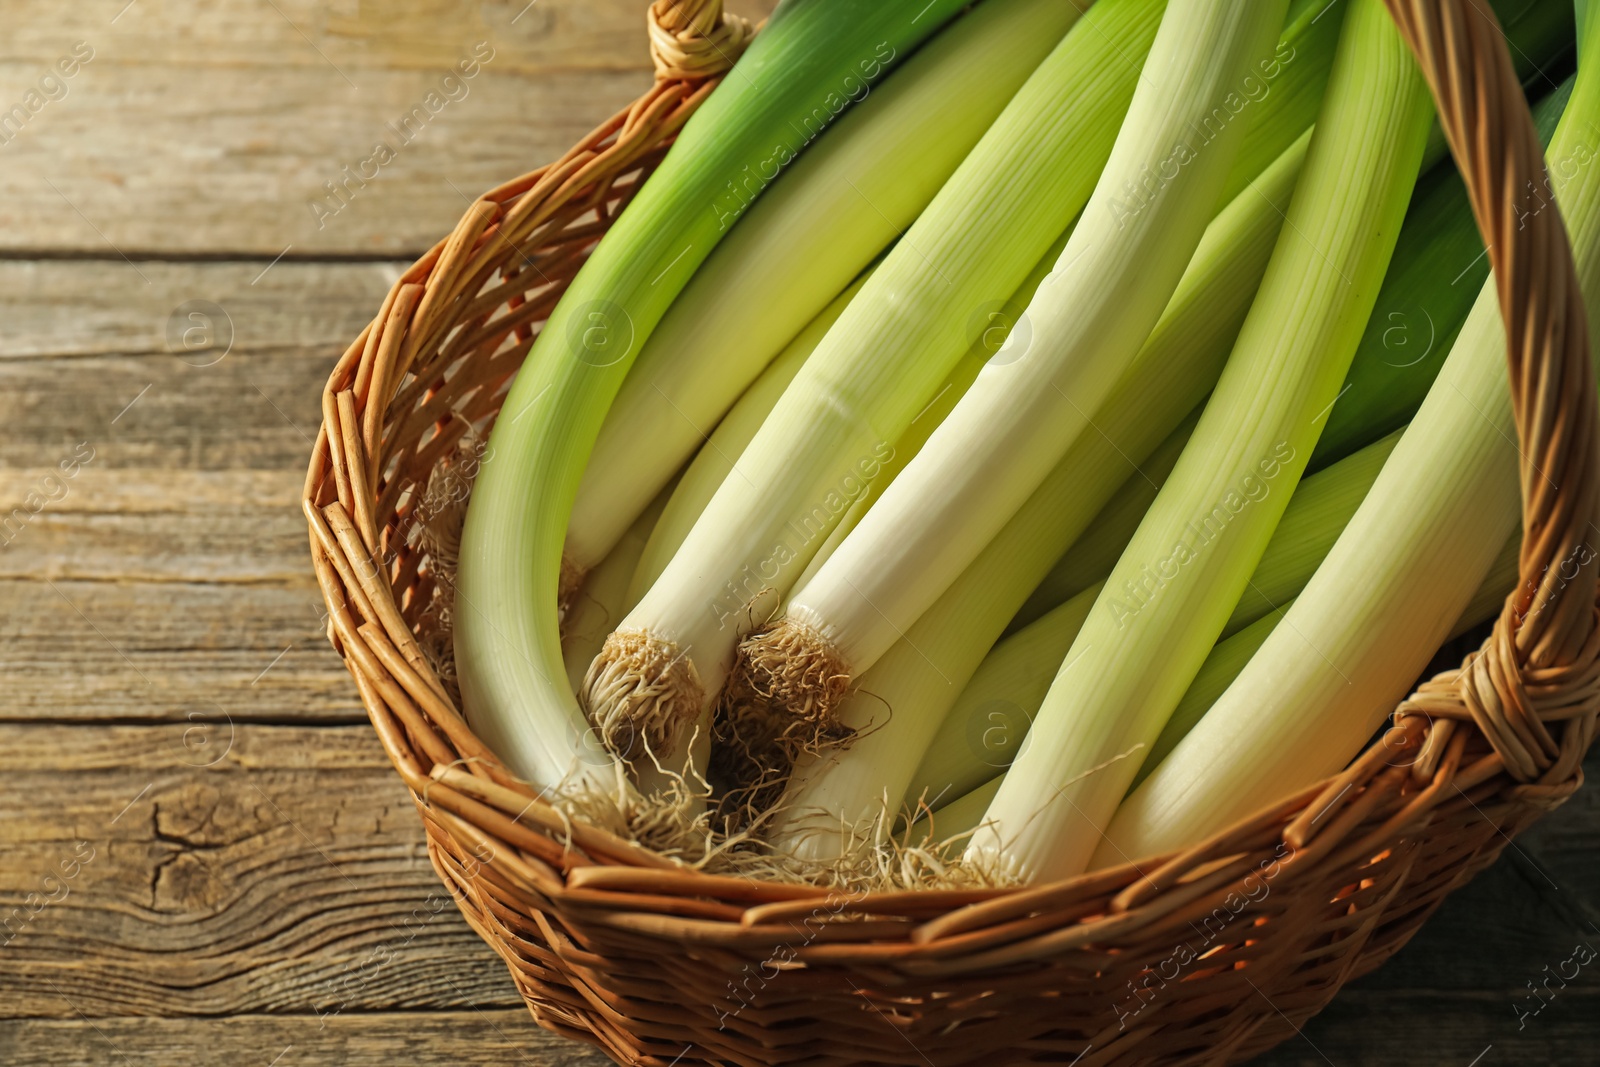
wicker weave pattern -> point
(1208, 956)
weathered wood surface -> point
(204, 128)
(486, 1037)
(169, 571)
(248, 882)
(210, 868)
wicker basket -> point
(661, 965)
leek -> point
(1000, 321)
(833, 430)
(1424, 302)
(1395, 581)
(1228, 659)
(954, 818)
(833, 210)
(1172, 590)
(1092, 556)
(507, 642)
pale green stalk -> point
(1396, 580)
(1306, 534)
(1083, 328)
(1231, 655)
(834, 428)
(944, 401)
(1173, 589)
(1224, 663)
(717, 456)
(954, 818)
(1092, 556)
(1221, 667)
(507, 634)
(900, 702)
(987, 724)
(830, 212)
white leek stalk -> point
(1192, 556)
(1032, 400)
(1372, 617)
(833, 209)
(603, 597)
(717, 456)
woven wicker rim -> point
(574, 910)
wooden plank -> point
(232, 153)
(205, 869)
(255, 410)
(191, 312)
(209, 366)
(485, 1038)
(94, 355)
(1460, 1030)
(237, 162)
(45, 748)
(98, 650)
(1365, 1031)
(169, 571)
(168, 574)
(104, 524)
(358, 37)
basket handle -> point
(1538, 665)
(693, 39)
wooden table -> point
(204, 857)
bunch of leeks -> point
(989, 422)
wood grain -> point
(168, 575)
(109, 307)
(232, 527)
(212, 366)
(128, 650)
(1366, 1028)
(489, 1037)
(393, 35)
(217, 868)
(246, 110)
